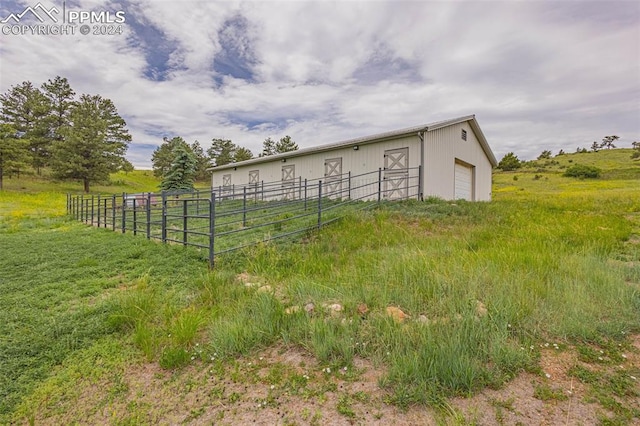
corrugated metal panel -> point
(395, 134)
(443, 144)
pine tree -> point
(509, 162)
(13, 151)
(285, 144)
(268, 147)
(181, 175)
(221, 151)
(60, 97)
(202, 161)
(163, 156)
(242, 154)
(93, 144)
(26, 109)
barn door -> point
(254, 182)
(333, 177)
(227, 187)
(463, 181)
(254, 177)
(288, 182)
(396, 174)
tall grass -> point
(483, 284)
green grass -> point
(552, 258)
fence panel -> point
(230, 218)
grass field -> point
(476, 289)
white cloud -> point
(539, 75)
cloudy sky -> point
(537, 74)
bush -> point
(582, 171)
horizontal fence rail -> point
(225, 219)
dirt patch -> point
(286, 385)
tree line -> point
(511, 161)
(81, 138)
(84, 138)
(179, 164)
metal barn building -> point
(449, 159)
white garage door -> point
(464, 182)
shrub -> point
(509, 162)
(582, 171)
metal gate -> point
(333, 177)
(396, 174)
(288, 182)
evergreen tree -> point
(221, 151)
(163, 156)
(93, 144)
(60, 97)
(285, 144)
(609, 141)
(546, 154)
(182, 173)
(509, 162)
(242, 154)
(202, 161)
(13, 151)
(595, 146)
(268, 147)
(636, 150)
(26, 109)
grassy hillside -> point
(433, 300)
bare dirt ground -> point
(283, 386)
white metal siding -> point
(442, 147)
(368, 158)
(463, 182)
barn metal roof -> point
(372, 139)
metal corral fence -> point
(229, 218)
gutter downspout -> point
(421, 178)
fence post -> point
(98, 210)
(262, 190)
(379, 183)
(113, 212)
(299, 187)
(124, 215)
(244, 207)
(349, 193)
(164, 217)
(198, 202)
(92, 210)
(82, 208)
(319, 204)
(212, 225)
(185, 212)
(135, 217)
(105, 212)
(148, 215)
(305, 194)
